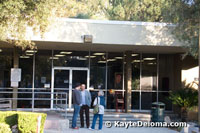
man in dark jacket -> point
(76, 102)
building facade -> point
(139, 59)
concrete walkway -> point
(118, 130)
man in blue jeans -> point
(76, 102)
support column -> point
(177, 77)
(15, 65)
(128, 81)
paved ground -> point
(118, 130)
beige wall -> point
(190, 76)
(109, 32)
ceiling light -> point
(134, 55)
(119, 58)
(149, 58)
(111, 60)
(59, 55)
(99, 54)
(63, 52)
(53, 58)
(0, 50)
(82, 58)
(101, 61)
(24, 57)
(31, 51)
(29, 54)
(90, 56)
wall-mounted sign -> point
(15, 75)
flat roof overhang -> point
(104, 47)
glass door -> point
(64, 80)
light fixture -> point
(99, 54)
(151, 63)
(134, 54)
(149, 58)
(0, 50)
(29, 54)
(87, 38)
(101, 61)
(111, 60)
(53, 58)
(63, 52)
(81, 58)
(90, 56)
(24, 57)
(31, 51)
(136, 61)
(59, 55)
(119, 58)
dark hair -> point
(78, 84)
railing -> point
(31, 96)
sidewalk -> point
(118, 130)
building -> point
(140, 59)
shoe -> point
(75, 128)
(81, 127)
(90, 128)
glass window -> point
(135, 71)
(6, 59)
(115, 77)
(71, 58)
(43, 62)
(135, 100)
(166, 72)
(147, 99)
(26, 64)
(149, 72)
(97, 70)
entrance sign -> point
(15, 76)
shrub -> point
(26, 121)
(4, 128)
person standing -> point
(101, 101)
(76, 102)
(85, 106)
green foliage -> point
(26, 121)
(4, 128)
(18, 16)
(185, 98)
(8, 117)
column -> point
(15, 65)
(177, 77)
(128, 81)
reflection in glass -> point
(71, 58)
(149, 72)
(147, 99)
(135, 100)
(5, 67)
(166, 71)
(136, 72)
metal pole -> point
(33, 85)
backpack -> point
(96, 107)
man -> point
(76, 102)
(85, 106)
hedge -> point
(26, 121)
(4, 128)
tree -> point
(19, 15)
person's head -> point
(100, 93)
(78, 85)
(82, 87)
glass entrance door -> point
(64, 79)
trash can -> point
(157, 112)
